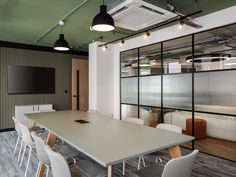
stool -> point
(199, 128)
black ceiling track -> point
(39, 48)
(165, 23)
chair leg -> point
(37, 172)
(139, 161)
(143, 161)
(30, 150)
(17, 142)
(123, 168)
(47, 170)
(21, 146)
(23, 154)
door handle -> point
(74, 95)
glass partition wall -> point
(189, 82)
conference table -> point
(106, 140)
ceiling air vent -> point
(138, 14)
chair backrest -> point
(135, 120)
(180, 167)
(26, 135)
(41, 153)
(58, 163)
(17, 126)
(170, 127)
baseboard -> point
(7, 129)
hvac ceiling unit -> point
(138, 14)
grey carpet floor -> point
(204, 166)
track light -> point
(122, 42)
(180, 24)
(104, 47)
(61, 44)
(103, 21)
(146, 35)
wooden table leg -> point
(42, 168)
(174, 152)
(31, 124)
(51, 139)
(109, 171)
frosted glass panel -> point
(128, 111)
(177, 91)
(150, 91)
(129, 90)
(216, 92)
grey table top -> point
(108, 141)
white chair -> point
(139, 122)
(41, 153)
(28, 143)
(19, 136)
(170, 128)
(59, 165)
(178, 167)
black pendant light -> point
(103, 21)
(61, 44)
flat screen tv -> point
(30, 80)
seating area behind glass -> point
(191, 77)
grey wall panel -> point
(62, 65)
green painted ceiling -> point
(24, 21)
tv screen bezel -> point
(24, 93)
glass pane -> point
(129, 63)
(177, 91)
(215, 49)
(216, 92)
(128, 111)
(215, 134)
(150, 115)
(175, 53)
(150, 91)
(150, 60)
(129, 90)
(178, 118)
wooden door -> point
(79, 84)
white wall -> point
(112, 55)
(101, 69)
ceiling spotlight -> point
(180, 24)
(122, 42)
(146, 35)
(104, 47)
(103, 21)
(61, 44)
